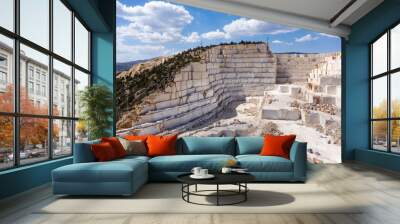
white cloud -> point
(192, 38)
(251, 27)
(247, 27)
(214, 35)
(327, 35)
(281, 42)
(306, 38)
(154, 22)
(277, 42)
(126, 52)
(133, 31)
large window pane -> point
(395, 47)
(395, 94)
(379, 98)
(81, 82)
(379, 55)
(6, 142)
(6, 74)
(395, 136)
(34, 81)
(34, 96)
(33, 139)
(62, 138)
(35, 21)
(62, 89)
(379, 135)
(7, 14)
(62, 29)
(81, 45)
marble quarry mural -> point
(236, 89)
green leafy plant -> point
(96, 102)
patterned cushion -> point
(134, 147)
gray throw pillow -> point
(134, 147)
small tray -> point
(208, 176)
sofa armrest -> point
(298, 155)
(83, 152)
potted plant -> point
(96, 103)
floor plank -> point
(378, 189)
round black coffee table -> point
(238, 179)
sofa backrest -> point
(191, 146)
(206, 145)
(249, 145)
(83, 152)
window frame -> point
(388, 74)
(16, 114)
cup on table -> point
(196, 171)
(203, 172)
(226, 170)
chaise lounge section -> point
(88, 177)
(271, 168)
(125, 176)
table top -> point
(220, 178)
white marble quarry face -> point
(236, 90)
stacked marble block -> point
(324, 88)
(324, 82)
(202, 90)
(295, 67)
(283, 111)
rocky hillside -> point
(134, 87)
(125, 66)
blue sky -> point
(148, 29)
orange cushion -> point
(103, 152)
(136, 137)
(277, 145)
(116, 145)
(161, 145)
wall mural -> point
(203, 73)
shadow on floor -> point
(256, 198)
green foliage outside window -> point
(96, 102)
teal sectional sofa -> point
(125, 176)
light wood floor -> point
(351, 181)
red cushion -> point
(116, 145)
(161, 145)
(103, 151)
(277, 145)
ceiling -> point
(328, 16)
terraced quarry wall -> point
(200, 91)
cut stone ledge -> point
(280, 114)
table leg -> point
(188, 189)
(217, 194)
(245, 193)
(195, 188)
(182, 190)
